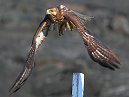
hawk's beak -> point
(48, 12)
(51, 12)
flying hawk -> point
(66, 19)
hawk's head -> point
(57, 13)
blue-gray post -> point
(78, 85)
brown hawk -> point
(66, 19)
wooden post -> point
(78, 85)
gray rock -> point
(120, 24)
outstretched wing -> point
(38, 38)
(100, 53)
(97, 51)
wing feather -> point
(101, 54)
(38, 38)
(84, 18)
(97, 51)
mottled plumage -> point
(66, 19)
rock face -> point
(116, 5)
(120, 24)
(61, 55)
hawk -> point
(66, 19)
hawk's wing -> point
(38, 38)
(100, 53)
(97, 51)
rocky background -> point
(62, 55)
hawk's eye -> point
(51, 11)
